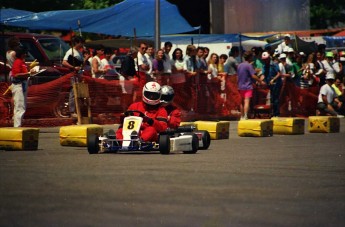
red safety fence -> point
(198, 98)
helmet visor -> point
(152, 95)
(167, 98)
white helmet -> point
(152, 93)
(167, 94)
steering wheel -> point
(131, 113)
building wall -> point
(258, 15)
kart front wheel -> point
(93, 144)
(164, 144)
(206, 139)
(195, 145)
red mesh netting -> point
(204, 100)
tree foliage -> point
(49, 5)
(327, 14)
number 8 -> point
(131, 124)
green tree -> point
(327, 14)
(49, 5)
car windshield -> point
(54, 48)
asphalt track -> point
(282, 180)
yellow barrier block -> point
(324, 124)
(288, 125)
(217, 129)
(255, 128)
(76, 135)
(19, 138)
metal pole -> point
(157, 25)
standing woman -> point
(158, 65)
(213, 84)
(178, 77)
(246, 77)
(19, 78)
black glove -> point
(148, 120)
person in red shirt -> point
(19, 76)
(155, 119)
(174, 114)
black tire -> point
(195, 145)
(164, 144)
(93, 144)
(206, 139)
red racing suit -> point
(150, 128)
(174, 116)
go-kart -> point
(168, 141)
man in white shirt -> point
(285, 44)
(328, 101)
(143, 65)
(166, 63)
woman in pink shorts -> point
(246, 77)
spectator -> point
(158, 64)
(128, 64)
(328, 102)
(179, 68)
(320, 70)
(143, 65)
(167, 64)
(284, 44)
(308, 77)
(190, 60)
(230, 66)
(97, 68)
(73, 60)
(246, 75)
(213, 84)
(150, 56)
(206, 53)
(271, 76)
(191, 80)
(339, 89)
(19, 78)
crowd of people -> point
(196, 74)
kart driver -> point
(174, 114)
(155, 119)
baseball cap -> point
(329, 54)
(282, 56)
(265, 55)
(287, 36)
(291, 50)
(330, 76)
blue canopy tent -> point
(6, 14)
(120, 19)
(335, 42)
(210, 38)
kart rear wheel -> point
(93, 144)
(195, 145)
(164, 144)
(206, 139)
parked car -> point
(47, 50)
